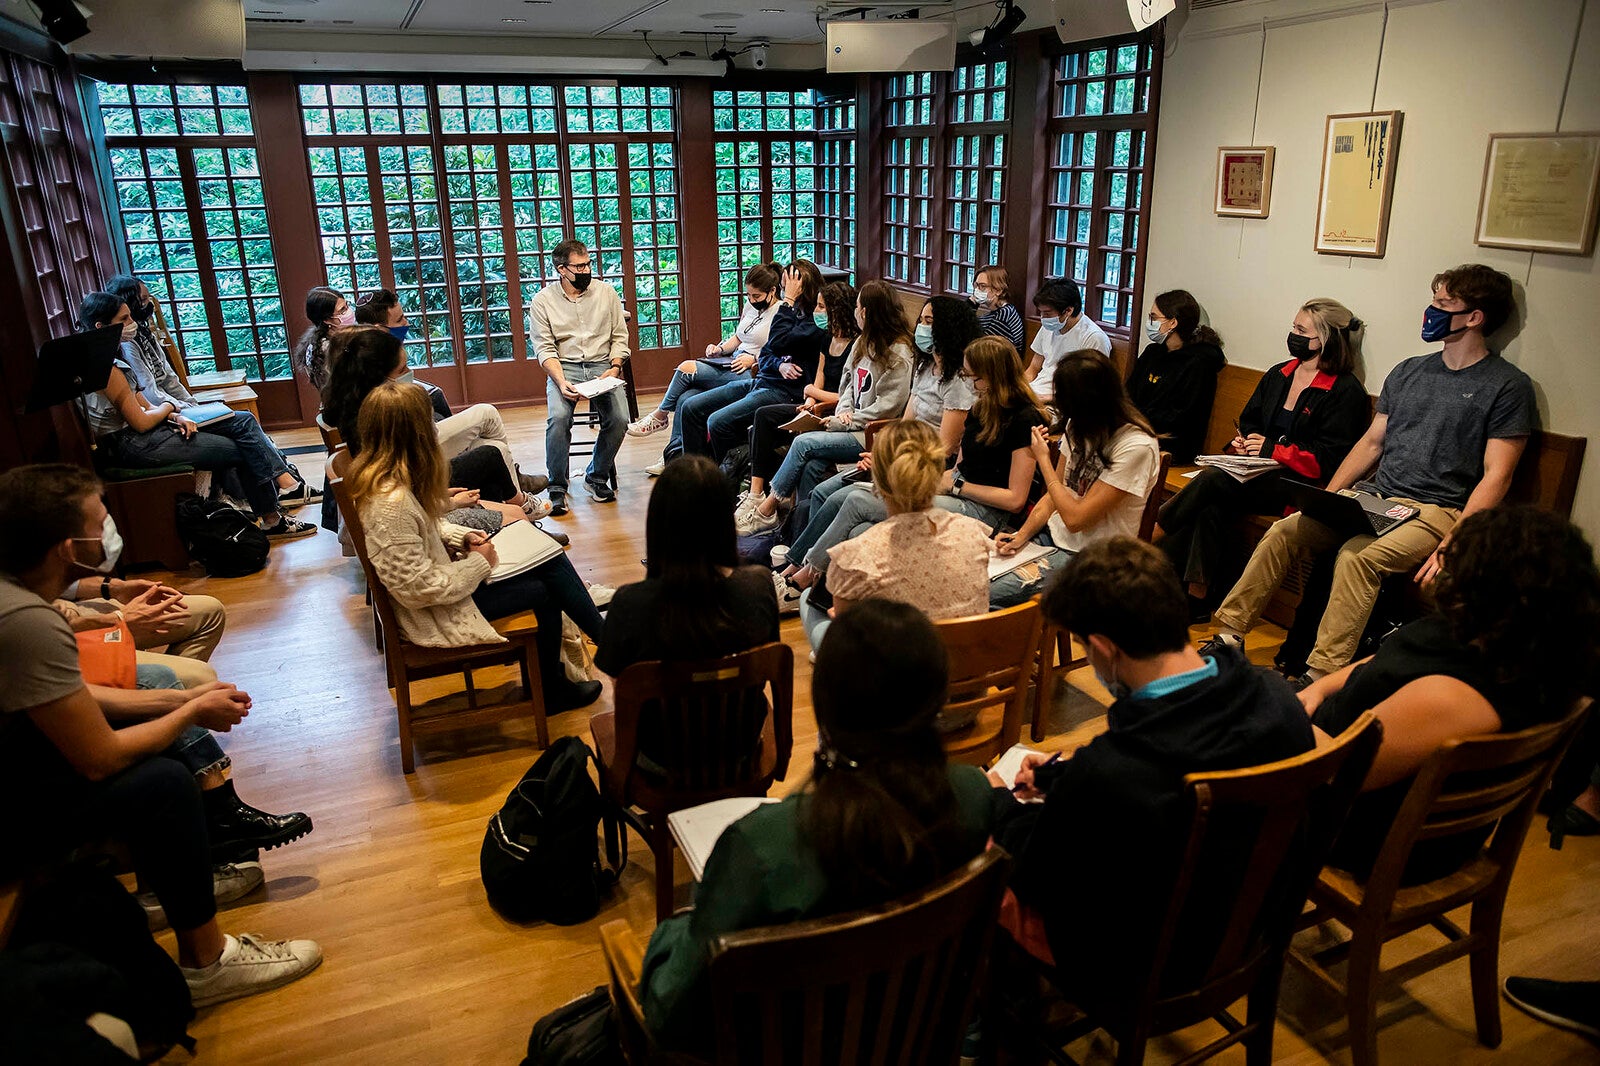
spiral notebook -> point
(521, 546)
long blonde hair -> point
(1340, 332)
(907, 464)
(399, 449)
(995, 360)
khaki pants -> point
(190, 644)
(1358, 572)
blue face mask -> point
(821, 320)
(1051, 325)
(1436, 322)
(407, 377)
(924, 336)
(400, 333)
(1154, 331)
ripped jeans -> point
(1028, 580)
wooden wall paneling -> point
(1158, 42)
(697, 189)
(1027, 179)
(869, 178)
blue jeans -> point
(705, 378)
(613, 409)
(993, 517)
(845, 514)
(712, 422)
(549, 590)
(818, 447)
(1023, 583)
(814, 620)
(234, 442)
(195, 747)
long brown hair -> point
(883, 320)
(995, 360)
(399, 448)
(1094, 405)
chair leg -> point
(533, 684)
(1262, 1011)
(1361, 999)
(661, 848)
(1130, 1051)
(1044, 688)
(1485, 965)
(402, 704)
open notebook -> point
(696, 829)
(1007, 765)
(521, 546)
(1004, 564)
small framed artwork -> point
(1359, 154)
(1244, 182)
(1540, 192)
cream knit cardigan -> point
(432, 593)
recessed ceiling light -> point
(513, 20)
(772, 11)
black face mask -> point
(760, 305)
(143, 312)
(1300, 347)
(581, 281)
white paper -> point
(697, 829)
(597, 387)
(1000, 565)
(1009, 764)
(521, 546)
(1240, 467)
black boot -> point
(237, 829)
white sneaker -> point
(751, 520)
(229, 883)
(654, 422)
(600, 594)
(788, 595)
(251, 964)
(535, 508)
(656, 468)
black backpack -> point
(541, 855)
(735, 467)
(221, 538)
(580, 1033)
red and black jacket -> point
(1330, 415)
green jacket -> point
(762, 872)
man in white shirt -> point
(1063, 328)
(580, 335)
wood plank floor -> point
(419, 969)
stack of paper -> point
(696, 829)
(1004, 564)
(1240, 467)
(597, 387)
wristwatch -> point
(105, 588)
(959, 484)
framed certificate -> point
(1540, 192)
(1244, 182)
(1359, 153)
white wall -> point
(1267, 72)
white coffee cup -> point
(780, 556)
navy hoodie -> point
(1097, 858)
(792, 338)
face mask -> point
(130, 330)
(760, 305)
(1300, 347)
(1436, 323)
(924, 336)
(345, 319)
(110, 542)
(861, 319)
(980, 296)
(143, 312)
(406, 377)
(1154, 331)
(1118, 690)
(400, 333)
(821, 320)
(580, 281)
(1051, 325)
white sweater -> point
(432, 593)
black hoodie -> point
(1097, 858)
(1174, 390)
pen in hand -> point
(1051, 760)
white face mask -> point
(110, 542)
(1051, 325)
(1154, 331)
(980, 295)
(130, 330)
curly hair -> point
(955, 325)
(1520, 584)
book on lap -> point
(697, 829)
(804, 422)
(207, 414)
(521, 546)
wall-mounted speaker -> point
(891, 45)
(1088, 20)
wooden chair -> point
(1471, 784)
(715, 746)
(991, 658)
(1057, 642)
(892, 984)
(332, 439)
(1273, 826)
(408, 662)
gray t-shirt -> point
(932, 397)
(1440, 420)
(38, 648)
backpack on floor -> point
(580, 1033)
(221, 538)
(541, 853)
(735, 468)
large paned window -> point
(187, 182)
(908, 166)
(463, 233)
(767, 200)
(1095, 211)
(975, 170)
(836, 184)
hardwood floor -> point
(419, 969)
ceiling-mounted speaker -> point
(891, 46)
(1088, 20)
(165, 29)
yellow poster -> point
(1539, 192)
(1357, 180)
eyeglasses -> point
(578, 268)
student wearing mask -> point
(381, 307)
(1174, 380)
(134, 434)
(875, 384)
(1449, 430)
(883, 814)
(1108, 468)
(1063, 328)
(997, 312)
(1305, 413)
(769, 443)
(329, 312)
(713, 422)
(580, 335)
(728, 360)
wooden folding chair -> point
(991, 658)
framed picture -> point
(1244, 182)
(1359, 153)
(1540, 192)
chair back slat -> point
(991, 662)
(1257, 838)
(332, 439)
(892, 984)
(1152, 503)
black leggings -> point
(767, 442)
(1195, 520)
(549, 590)
(483, 468)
